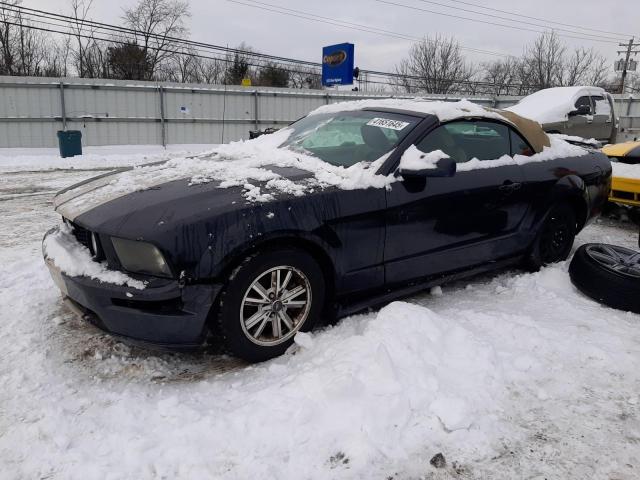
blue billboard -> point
(337, 64)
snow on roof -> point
(552, 104)
(443, 110)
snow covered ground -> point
(510, 375)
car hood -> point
(129, 189)
(111, 203)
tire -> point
(554, 240)
(254, 320)
(596, 279)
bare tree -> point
(157, 23)
(583, 66)
(434, 65)
(305, 77)
(544, 60)
(501, 76)
(211, 70)
(23, 50)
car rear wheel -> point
(555, 238)
(609, 274)
(269, 298)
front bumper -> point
(165, 314)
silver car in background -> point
(586, 112)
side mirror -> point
(445, 167)
(581, 110)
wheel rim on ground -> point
(618, 259)
(556, 238)
(275, 306)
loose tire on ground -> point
(606, 284)
(251, 315)
(554, 240)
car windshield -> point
(347, 138)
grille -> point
(82, 235)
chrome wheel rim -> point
(618, 259)
(275, 306)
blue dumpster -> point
(70, 143)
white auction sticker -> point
(387, 123)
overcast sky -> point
(223, 22)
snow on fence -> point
(113, 112)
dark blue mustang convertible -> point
(352, 206)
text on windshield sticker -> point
(387, 123)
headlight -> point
(140, 257)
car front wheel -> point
(269, 298)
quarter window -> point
(519, 146)
(469, 139)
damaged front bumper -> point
(165, 314)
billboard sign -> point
(337, 64)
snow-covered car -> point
(354, 205)
(586, 112)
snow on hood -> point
(552, 104)
(242, 163)
(625, 170)
(445, 111)
(74, 259)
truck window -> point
(585, 100)
(601, 106)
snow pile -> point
(443, 110)
(626, 170)
(74, 259)
(553, 104)
(414, 159)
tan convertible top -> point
(530, 130)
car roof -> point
(444, 111)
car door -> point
(581, 125)
(456, 222)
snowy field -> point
(509, 376)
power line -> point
(519, 28)
(608, 37)
(538, 18)
(102, 28)
(92, 26)
(352, 26)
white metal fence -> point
(112, 112)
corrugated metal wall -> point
(110, 112)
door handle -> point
(509, 186)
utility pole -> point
(629, 51)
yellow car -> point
(625, 182)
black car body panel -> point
(368, 241)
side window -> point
(584, 101)
(468, 139)
(601, 106)
(519, 146)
